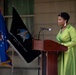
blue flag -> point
(5, 59)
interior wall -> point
(46, 13)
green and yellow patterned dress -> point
(67, 59)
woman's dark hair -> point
(65, 16)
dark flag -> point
(4, 46)
(21, 38)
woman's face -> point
(61, 21)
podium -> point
(51, 48)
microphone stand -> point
(39, 34)
(39, 56)
(43, 58)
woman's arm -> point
(72, 33)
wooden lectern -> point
(51, 48)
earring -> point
(65, 24)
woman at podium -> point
(67, 37)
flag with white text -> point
(21, 38)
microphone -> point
(42, 28)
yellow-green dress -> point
(67, 59)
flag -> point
(4, 46)
(21, 38)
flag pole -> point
(12, 50)
(12, 55)
(12, 60)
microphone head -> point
(42, 28)
(49, 29)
